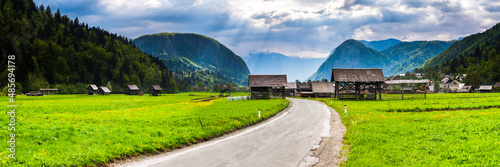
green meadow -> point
(86, 130)
(442, 130)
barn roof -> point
(497, 85)
(105, 89)
(393, 82)
(94, 87)
(357, 75)
(486, 87)
(266, 80)
(464, 89)
(322, 87)
(155, 87)
(132, 87)
(291, 85)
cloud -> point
(305, 28)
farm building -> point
(322, 89)
(49, 91)
(408, 86)
(103, 90)
(132, 90)
(486, 88)
(155, 90)
(290, 89)
(465, 89)
(92, 89)
(304, 90)
(262, 85)
(497, 85)
(349, 83)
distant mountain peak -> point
(381, 44)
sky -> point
(301, 28)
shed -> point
(323, 89)
(486, 88)
(92, 89)
(497, 85)
(49, 91)
(155, 90)
(262, 85)
(465, 89)
(103, 90)
(132, 90)
(350, 82)
(290, 89)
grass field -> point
(442, 130)
(78, 130)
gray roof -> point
(322, 87)
(94, 87)
(465, 89)
(393, 82)
(105, 89)
(266, 80)
(497, 85)
(357, 75)
(155, 87)
(132, 87)
(486, 87)
(44, 89)
(291, 85)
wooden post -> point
(402, 93)
(337, 90)
(379, 87)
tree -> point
(199, 85)
(436, 87)
(110, 87)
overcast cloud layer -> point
(303, 28)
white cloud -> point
(305, 28)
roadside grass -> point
(86, 130)
(457, 130)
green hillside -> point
(196, 58)
(351, 54)
(406, 56)
(53, 50)
(466, 46)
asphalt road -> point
(283, 140)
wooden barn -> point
(486, 88)
(322, 89)
(103, 90)
(349, 83)
(304, 90)
(290, 89)
(155, 90)
(261, 86)
(466, 89)
(92, 89)
(132, 90)
(49, 91)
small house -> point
(486, 88)
(92, 89)
(103, 90)
(290, 89)
(323, 89)
(155, 90)
(465, 89)
(132, 90)
(497, 85)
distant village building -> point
(349, 83)
(497, 85)
(103, 90)
(132, 90)
(465, 89)
(92, 89)
(323, 89)
(304, 90)
(49, 91)
(261, 86)
(486, 88)
(290, 89)
(155, 90)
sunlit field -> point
(442, 130)
(82, 130)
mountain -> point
(406, 56)
(195, 58)
(54, 51)
(276, 63)
(351, 54)
(380, 45)
(466, 46)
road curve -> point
(284, 140)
